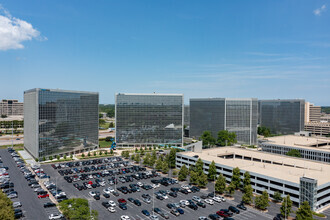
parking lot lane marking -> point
(129, 205)
(140, 217)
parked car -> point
(49, 204)
(234, 209)
(145, 212)
(55, 216)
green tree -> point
(304, 212)
(111, 125)
(293, 153)
(199, 166)
(6, 207)
(261, 202)
(220, 184)
(137, 158)
(136, 150)
(172, 156)
(236, 178)
(71, 156)
(175, 172)
(77, 208)
(94, 153)
(111, 152)
(89, 154)
(248, 194)
(82, 155)
(146, 159)
(264, 131)
(159, 164)
(246, 179)
(165, 167)
(207, 139)
(226, 138)
(150, 148)
(193, 177)
(286, 207)
(212, 171)
(106, 152)
(64, 157)
(202, 180)
(100, 153)
(50, 157)
(231, 189)
(44, 158)
(133, 157)
(37, 159)
(183, 173)
(108, 139)
(277, 196)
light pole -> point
(153, 201)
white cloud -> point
(319, 11)
(14, 31)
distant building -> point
(282, 116)
(310, 148)
(149, 119)
(303, 180)
(217, 114)
(11, 107)
(186, 115)
(59, 122)
(312, 113)
(318, 128)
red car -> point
(43, 196)
(90, 183)
(222, 214)
(122, 201)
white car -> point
(165, 196)
(112, 203)
(209, 201)
(154, 217)
(92, 194)
(17, 204)
(106, 191)
(222, 198)
(217, 199)
(88, 186)
(111, 209)
(55, 216)
(124, 217)
(139, 184)
(184, 202)
(102, 183)
(196, 198)
(111, 190)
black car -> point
(158, 211)
(146, 196)
(195, 189)
(159, 197)
(170, 205)
(200, 204)
(193, 206)
(131, 200)
(18, 215)
(173, 194)
(184, 191)
(106, 204)
(49, 204)
(122, 206)
(97, 197)
(234, 209)
(173, 189)
(214, 217)
(137, 202)
(115, 193)
(106, 195)
(241, 206)
(278, 217)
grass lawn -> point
(105, 144)
(16, 146)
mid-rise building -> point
(310, 148)
(302, 180)
(149, 119)
(312, 112)
(282, 116)
(60, 122)
(216, 114)
(11, 107)
(318, 128)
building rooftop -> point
(276, 166)
(315, 143)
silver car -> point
(12, 196)
(17, 204)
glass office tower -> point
(216, 114)
(282, 116)
(58, 122)
(149, 119)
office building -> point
(312, 113)
(282, 116)
(310, 148)
(11, 107)
(216, 114)
(186, 115)
(149, 119)
(59, 122)
(302, 180)
(318, 128)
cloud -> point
(14, 31)
(319, 11)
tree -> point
(50, 157)
(304, 212)
(165, 167)
(159, 164)
(293, 153)
(220, 184)
(150, 148)
(175, 172)
(77, 208)
(37, 159)
(246, 179)
(137, 158)
(108, 139)
(94, 153)
(207, 138)
(82, 155)
(111, 125)
(277, 196)
(146, 159)
(261, 202)
(231, 189)
(44, 158)
(133, 157)
(111, 152)
(3, 116)
(106, 152)
(6, 207)
(202, 180)
(226, 138)
(193, 177)
(89, 154)
(100, 153)
(286, 207)
(264, 131)
(236, 178)
(248, 194)
(172, 156)
(71, 156)
(199, 166)
(64, 157)
(136, 150)
(212, 171)
(183, 173)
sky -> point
(276, 49)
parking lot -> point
(134, 211)
(32, 207)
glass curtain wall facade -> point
(282, 116)
(64, 121)
(149, 119)
(216, 114)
